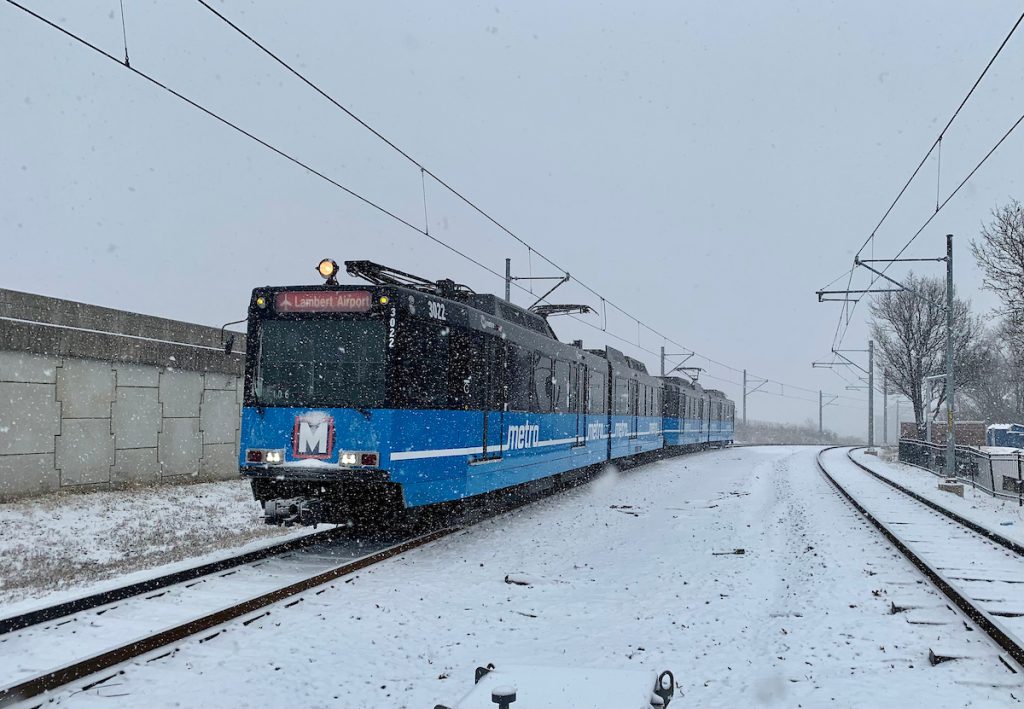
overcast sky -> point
(706, 165)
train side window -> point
(560, 387)
(542, 375)
(419, 378)
(671, 403)
(595, 399)
(520, 375)
(575, 374)
(620, 403)
(466, 371)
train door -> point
(609, 407)
(495, 395)
(708, 408)
(578, 381)
(634, 406)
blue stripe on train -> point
(439, 455)
(688, 432)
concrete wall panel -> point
(219, 418)
(215, 380)
(26, 367)
(136, 417)
(219, 462)
(180, 393)
(137, 375)
(137, 466)
(29, 418)
(181, 446)
(85, 451)
(27, 475)
(85, 388)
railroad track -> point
(978, 570)
(84, 644)
(103, 598)
(84, 641)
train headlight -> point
(347, 458)
(265, 456)
(328, 268)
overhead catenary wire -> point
(531, 249)
(847, 310)
(380, 208)
(938, 140)
(941, 206)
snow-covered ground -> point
(79, 542)
(999, 514)
(740, 570)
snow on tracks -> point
(621, 574)
(985, 579)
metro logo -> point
(313, 436)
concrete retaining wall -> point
(92, 396)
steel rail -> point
(102, 598)
(994, 630)
(990, 534)
(59, 677)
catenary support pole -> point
(821, 406)
(744, 397)
(885, 406)
(950, 389)
(508, 280)
(663, 360)
(871, 393)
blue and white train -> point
(406, 393)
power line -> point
(426, 171)
(928, 221)
(938, 140)
(848, 309)
(383, 210)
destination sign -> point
(305, 301)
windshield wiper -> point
(367, 414)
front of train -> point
(315, 426)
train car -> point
(409, 393)
(694, 416)
(720, 418)
(682, 412)
(635, 403)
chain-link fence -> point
(999, 474)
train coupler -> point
(295, 510)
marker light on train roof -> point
(383, 300)
(328, 268)
(261, 302)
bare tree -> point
(991, 394)
(909, 328)
(1000, 254)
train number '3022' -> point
(436, 310)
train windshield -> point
(322, 363)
